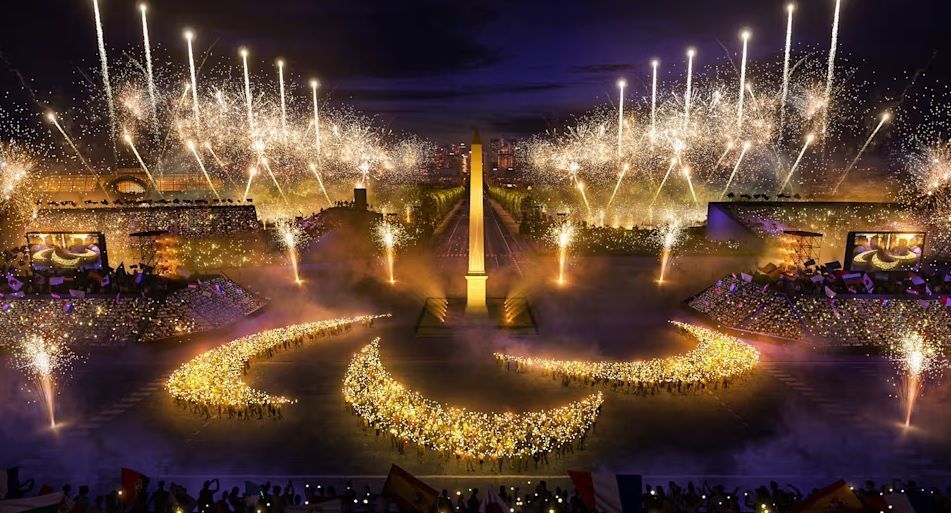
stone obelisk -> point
(476, 277)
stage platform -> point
(441, 317)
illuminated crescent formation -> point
(718, 356)
(213, 378)
(67, 259)
(406, 415)
(871, 257)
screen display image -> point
(884, 251)
(80, 251)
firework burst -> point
(44, 361)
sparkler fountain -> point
(390, 236)
(916, 357)
(43, 360)
(563, 235)
(290, 236)
(669, 237)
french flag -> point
(609, 493)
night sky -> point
(438, 68)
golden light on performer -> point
(716, 358)
(214, 378)
(407, 416)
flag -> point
(14, 283)
(899, 503)
(318, 505)
(77, 293)
(104, 281)
(56, 280)
(252, 492)
(491, 504)
(47, 503)
(609, 493)
(830, 292)
(835, 498)
(132, 483)
(10, 481)
(410, 493)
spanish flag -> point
(133, 483)
(835, 498)
(410, 493)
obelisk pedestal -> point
(476, 277)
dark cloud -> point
(438, 66)
(602, 68)
(436, 95)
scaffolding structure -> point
(800, 248)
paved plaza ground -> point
(800, 417)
